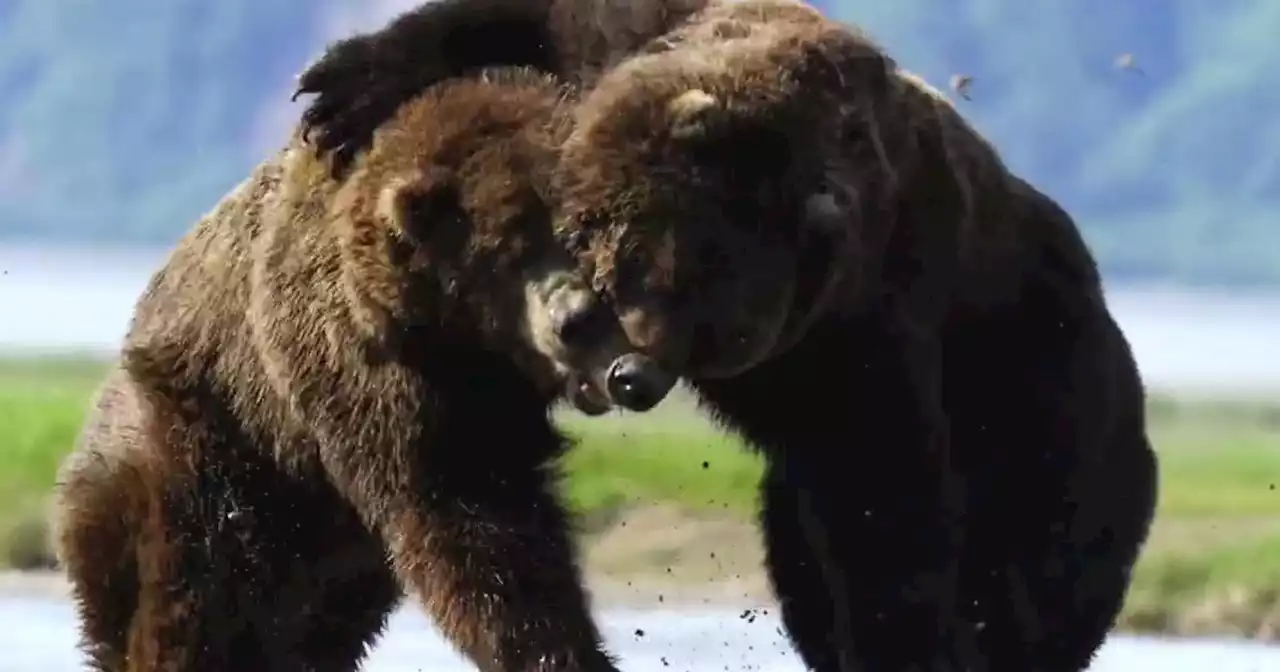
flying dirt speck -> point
(1128, 62)
(961, 85)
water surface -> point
(39, 636)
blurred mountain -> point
(1155, 122)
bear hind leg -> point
(1064, 592)
(1058, 527)
(96, 511)
(185, 620)
(221, 593)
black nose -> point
(637, 383)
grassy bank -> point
(1213, 565)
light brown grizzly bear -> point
(334, 391)
(958, 470)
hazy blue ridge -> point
(123, 121)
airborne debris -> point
(961, 85)
(1127, 61)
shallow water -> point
(39, 636)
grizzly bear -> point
(334, 391)
(958, 473)
(785, 207)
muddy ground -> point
(655, 556)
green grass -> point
(1213, 564)
(1231, 472)
(696, 469)
(1231, 589)
(42, 403)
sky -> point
(1177, 159)
(1195, 133)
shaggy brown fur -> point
(775, 204)
(333, 390)
(360, 81)
(958, 471)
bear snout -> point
(637, 383)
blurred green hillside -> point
(122, 121)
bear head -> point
(712, 190)
(445, 235)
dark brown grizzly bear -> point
(959, 476)
(336, 390)
(958, 470)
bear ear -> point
(690, 112)
(845, 61)
(416, 205)
(392, 229)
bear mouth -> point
(588, 398)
